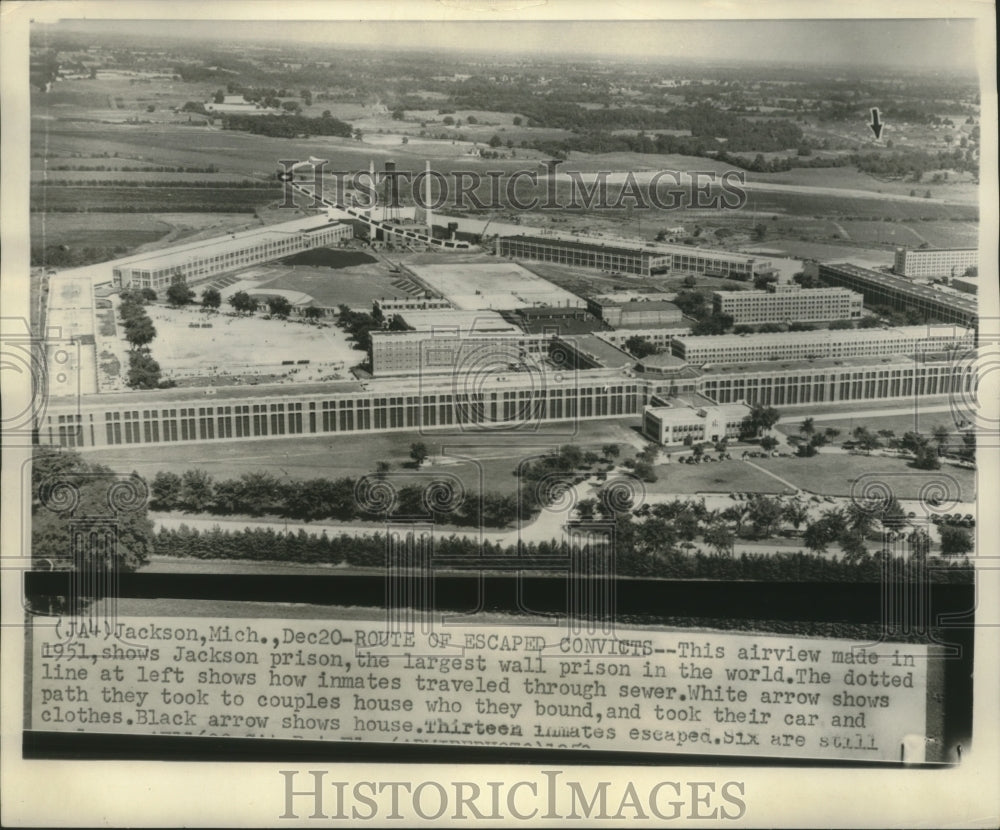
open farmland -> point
(149, 199)
(146, 178)
(95, 229)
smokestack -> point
(427, 200)
(390, 188)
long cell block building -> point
(471, 402)
(196, 261)
(620, 257)
(802, 345)
(901, 293)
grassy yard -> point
(719, 477)
(835, 474)
(354, 286)
(899, 424)
(488, 457)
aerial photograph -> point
(542, 389)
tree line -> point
(287, 126)
(631, 559)
(143, 372)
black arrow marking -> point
(876, 125)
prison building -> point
(621, 258)
(476, 402)
(451, 402)
(967, 285)
(635, 313)
(587, 351)
(788, 302)
(834, 381)
(901, 294)
(677, 422)
(659, 336)
(450, 352)
(197, 261)
(555, 320)
(802, 345)
(692, 260)
(926, 263)
(388, 307)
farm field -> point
(241, 153)
(57, 198)
(129, 230)
(848, 177)
(99, 178)
(867, 257)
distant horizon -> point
(922, 45)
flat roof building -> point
(421, 353)
(488, 400)
(197, 261)
(829, 380)
(934, 262)
(675, 424)
(659, 336)
(620, 256)
(901, 294)
(560, 320)
(587, 351)
(801, 345)
(635, 313)
(498, 286)
(789, 302)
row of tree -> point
(370, 498)
(143, 372)
(632, 557)
(376, 498)
(359, 325)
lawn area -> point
(356, 286)
(923, 422)
(719, 477)
(833, 474)
(490, 457)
